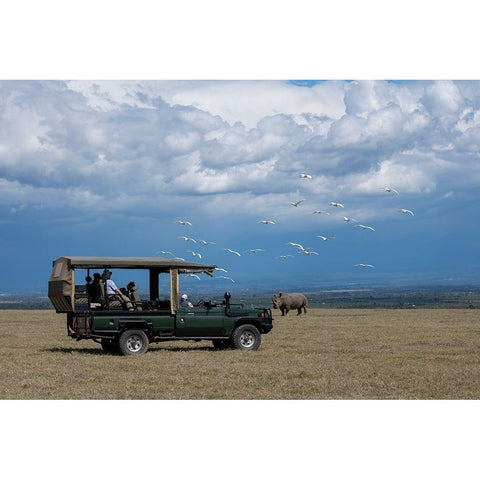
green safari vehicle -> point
(129, 327)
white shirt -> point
(111, 287)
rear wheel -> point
(246, 337)
(133, 342)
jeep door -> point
(200, 322)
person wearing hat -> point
(112, 289)
(184, 302)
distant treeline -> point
(374, 298)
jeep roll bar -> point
(61, 285)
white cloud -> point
(87, 143)
(234, 101)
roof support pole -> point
(154, 292)
(174, 290)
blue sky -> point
(107, 167)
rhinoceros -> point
(287, 301)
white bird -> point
(364, 265)
(335, 204)
(188, 239)
(232, 251)
(192, 275)
(296, 245)
(267, 222)
(195, 254)
(320, 211)
(309, 252)
(183, 222)
(389, 190)
(347, 219)
(254, 250)
(305, 175)
(163, 252)
(207, 243)
(365, 227)
(297, 203)
(179, 258)
(404, 210)
(325, 239)
(220, 269)
(285, 256)
(227, 278)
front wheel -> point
(246, 337)
(133, 342)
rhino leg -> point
(283, 310)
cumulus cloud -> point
(138, 145)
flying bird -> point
(183, 222)
(297, 203)
(267, 222)
(207, 243)
(309, 252)
(335, 204)
(195, 254)
(254, 250)
(325, 239)
(347, 219)
(389, 190)
(365, 227)
(192, 275)
(232, 251)
(319, 212)
(163, 252)
(305, 175)
(404, 210)
(220, 269)
(188, 239)
(179, 258)
(285, 256)
(227, 278)
(364, 265)
(295, 245)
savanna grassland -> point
(327, 354)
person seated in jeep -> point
(112, 289)
(184, 302)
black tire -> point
(133, 342)
(246, 337)
(109, 345)
(222, 344)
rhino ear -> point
(280, 294)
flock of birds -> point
(300, 248)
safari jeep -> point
(92, 314)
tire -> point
(133, 342)
(108, 345)
(221, 344)
(246, 337)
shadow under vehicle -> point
(92, 314)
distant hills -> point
(346, 296)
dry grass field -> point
(327, 354)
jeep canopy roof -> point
(61, 285)
(162, 264)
